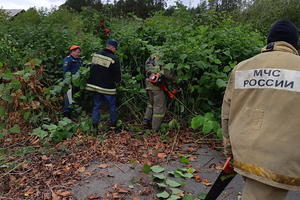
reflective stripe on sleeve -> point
(158, 115)
(259, 171)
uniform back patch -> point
(102, 60)
(268, 78)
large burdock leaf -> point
(172, 183)
(207, 126)
(176, 191)
(40, 133)
(157, 169)
(197, 122)
(159, 176)
(174, 197)
(162, 185)
(163, 195)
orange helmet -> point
(73, 47)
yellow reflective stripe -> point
(158, 115)
(152, 87)
(259, 171)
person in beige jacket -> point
(261, 117)
(157, 99)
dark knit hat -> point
(284, 30)
(112, 43)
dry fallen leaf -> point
(81, 169)
(120, 190)
(136, 198)
(115, 186)
(161, 155)
(146, 191)
(29, 192)
(44, 157)
(116, 195)
(111, 152)
(70, 183)
(88, 173)
(213, 145)
(213, 165)
(147, 162)
(13, 179)
(49, 165)
(67, 168)
(35, 104)
(180, 194)
(191, 149)
(94, 197)
(145, 155)
(55, 197)
(198, 178)
(218, 167)
(64, 193)
(192, 158)
(103, 166)
(25, 165)
(206, 182)
(58, 172)
(150, 151)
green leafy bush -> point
(64, 129)
(207, 124)
(201, 49)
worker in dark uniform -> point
(157, 99)
(72, 63)
(104, 75)
(260, 117)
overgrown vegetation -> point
(201, 45)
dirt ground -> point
(104, 182)
(109, 167)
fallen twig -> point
(5, 198)
(12, 169)
(208, 162)
(54, 196)
(21, 173)
(119, 168)
(227, 195)
(173, 145)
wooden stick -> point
(173, 145)
(119, 168)
(12, 169)
(208, 162)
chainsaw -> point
(222, 181)
(158, 80)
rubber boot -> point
(95, 130)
